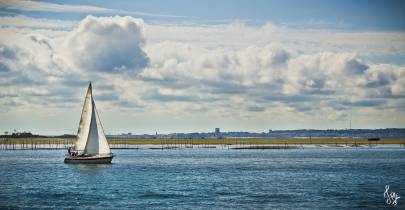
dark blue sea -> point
(322, 178)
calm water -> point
(205, 179)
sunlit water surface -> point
(345, 178)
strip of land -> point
(227, 141)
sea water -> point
(342, 178)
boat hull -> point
(89, 159)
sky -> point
(191, 66)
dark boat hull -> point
(89, 160)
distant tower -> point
(217, 133)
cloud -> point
(155, 95)
(256, 109)
(270, 74)
(70, 8)
(232, 71)
(35, 23)
(365, 103)
(176, 64)
(107, 44)
(236, 35)
(35, 63)
(22, 66)
(50, 7)
(6, 52)
(323, 73)
(386, 81)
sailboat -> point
(91, 145)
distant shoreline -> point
(217, 133)
(213, 141)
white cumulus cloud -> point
(107, 44)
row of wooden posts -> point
(64, 143)
(47, 144)
(55, 144)
(34, 144)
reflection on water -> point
(345, 178)
(89, 168)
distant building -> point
(217, 131)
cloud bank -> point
(267, 74)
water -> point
(344, 178)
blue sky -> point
(355, 15)
(183, 66)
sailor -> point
(69, 150)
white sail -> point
(96, 142)
(91, 138)
(104, 148)
(85, 119)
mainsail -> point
(90, 135)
